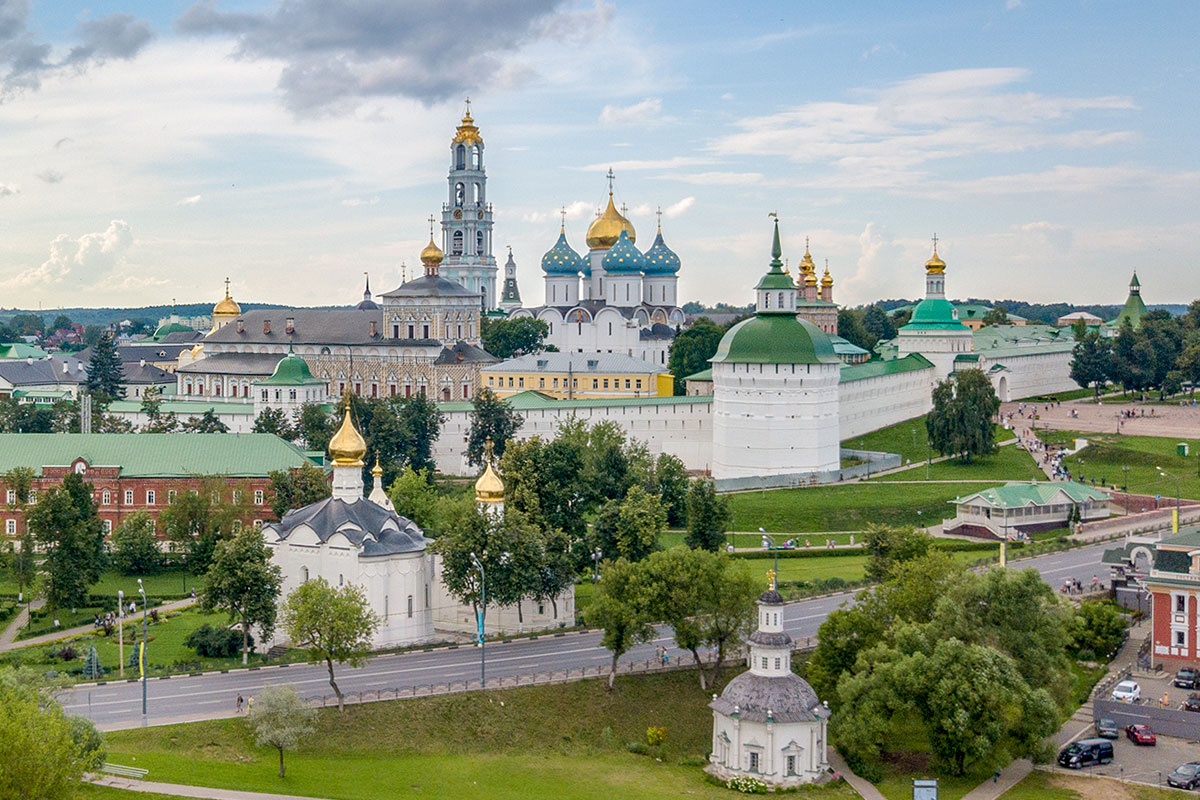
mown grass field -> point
(1056, 786)
(907, 439)
(168, 585)
(1009, 463)
(1107, 454)
(849, 507)
(564, 742)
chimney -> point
(266, 326)
(241, 326)
(373, 330)
(29, 360)
(290, 326)
(142, 363)
(66, 367)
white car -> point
(1127, 692)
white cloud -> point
(638, 165)
(716, 178)
(679, 209)
(353, 202)
(1009, 5)
(189, 201)
(84, 260)
(646, 112)
(9, 189)
(50, 176)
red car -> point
(1140, 734)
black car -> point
(1086, 753)
(1192, 703)
(1187, 678)
(1107, 729)
(1185, 776)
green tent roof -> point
(145, 455)
(1134, 309)
(1024, 493)
(291, 370)
(775, 339)
(22, 350)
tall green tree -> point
(280, 719)
(508, 338)
(296, 488)
(274, 420)
(242, 582)
(886, 546)
(135, 547)
(879, 323)
(416, 498)
(850, 328)
(314, 426)
(641, 521)
(707, 516)
(334, 624)
(65, 523)
(691, 350)
(618, 610)
(491, 418)
(156, 420)
(1090, 361)
(208, 422)
(996, 316)
(960, 422)
(196, 520)
(105, 379)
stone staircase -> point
(277, 652)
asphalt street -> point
(185, 698)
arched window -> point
(460, 157)
(457, 247)
(304, 574)
(479, 193)
(458, 194)
(477, 157)
(478, 243)
(410, 606)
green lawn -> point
(1106, 455)
(908, 758)
(1055, 786)
(1009, 463)
(564, 742)
(89, 791)
(164, 585)
(849, 507)
(754, 540)
(907, 439)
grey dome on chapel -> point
(789, 698)
(367, 526)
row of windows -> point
(10, 525)
(635, 383)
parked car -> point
(1107, 729)
(1140, 734)
(1192, 703)
(1086, 753)
(1187, 678)
(1185, 776)
(1127, 692)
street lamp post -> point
(142, 660)
(1125, 478)
(121, 630)
(482, 618)
(1166, 474)
(596, 556)
(775, 553)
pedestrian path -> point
(10, 632)
(180, 790)
(866, 790)
(79, 630)
(997, 785)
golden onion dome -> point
(935, 265)
(606, 228)
(827, 279)
(347, 447)
(377, 471)
(226, 307)
(432, 255)
(467, 132)
(489, 488)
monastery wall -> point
(872, 403)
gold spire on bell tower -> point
(489, 488)
(467, 132)
(935, 265)
(347, 447)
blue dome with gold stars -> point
(660, 259)
(624, 258)
(562, 258)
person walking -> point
(250, 704)
(239, 704)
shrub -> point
(747, 785)
(656, 735)
(641, 748)
(66, 653)
(210, 642)
(693, 761)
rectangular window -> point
(627, 383)
(108, 526)
(10, 526)
(777, 663)
(521, 383)
(258, 497)
(1180, 638)
(639, 383)
(791, 765)
(11, 497)
(595, 383)
(170, 496)
(606, 383)
(33, 498)
(257, 524)
(1180, 603)
(410, 607)
(129, 497)
(541, 383)
(753, 762)
(149, 497)
(556, 383)
(764, 662)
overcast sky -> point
(152, 147)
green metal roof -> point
(877, 367)
(170, 327)
(21, 350)
(531, 400)
(935, 313)
(1024, 493)
(775, 339)
(1188, 537)
(702, 375)
(290, 371)
(184, 408)
(1134, 308)
(146, 455)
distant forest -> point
(107, 316)
(1043, 312)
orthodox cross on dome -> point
(403, 273)
(468, 102)
(488, 448)
(227, 287)
(624, 210)
(563, 213)
(771, 575)
(611, 177)
(935, 240)
(658, 214)
(431, 221)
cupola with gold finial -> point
(827, 279)
(346, 450)
(489, 489)
(378, 496)
(935, 265)
(467, 132)
(432, 255)
(808, 270)
(606, 229)
(226, 310)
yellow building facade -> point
(571, 376)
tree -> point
(196, 520)
(995, 316)
(22, 566)
(691, 350)
(414, 497)
(617, 610)
(60, 322)
(707, 516)
(961, 420)
(105, 379)
(135, 546)
(641, 521)
(491, 418)
(508, 338)
(296, 488)
(334, 624)
(314, 426)
(850, 328)
(156, 420)
(887, 546)
(274, 420)
(208, 422)
(879, 323)
(671, 485)
(280, 719)
(1096, 631)
(243, 583)
(421, 424)
(66, 525)
(1090, 361)
(45, 753)
(1188, 364)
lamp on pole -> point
(1166, 474)
(121, 630)
(142, 659)
(774, 552)
(1125, 478)
(596, 556)
(482, 617)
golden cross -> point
(468, 106)
(563, 213)
(935, 243)
(774, 214)
(488, 448)
(611, 178)
(771, 579)
(431, 226)
(227, 287)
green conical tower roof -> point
(1134, 308)
(776, 278)
(292, 370)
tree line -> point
(1161, 354)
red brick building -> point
(133, 472)
(1174, 584)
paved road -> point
(181, 699)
